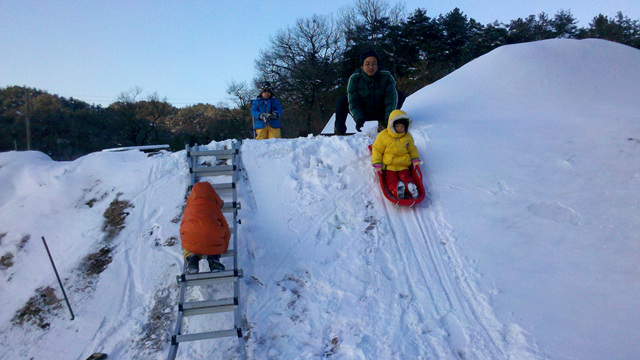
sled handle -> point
(418, 172)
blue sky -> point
(185, 51)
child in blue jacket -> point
(266, 111)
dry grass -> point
(23, 242)
(114, 217)
(96, 263)
(6, 261)
(39, 308)
(156, 331)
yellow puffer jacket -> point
(394, 151)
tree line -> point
(66, 129)
(308, 64)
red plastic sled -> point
(417, 176)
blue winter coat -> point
(260, 106)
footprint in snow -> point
(382, 258)
(557, 212)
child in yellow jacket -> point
(394, 152)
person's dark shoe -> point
(193, 264)
(215, 264)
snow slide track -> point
(447, 300)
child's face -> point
(266, 94)
(399, 128)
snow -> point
(529, 249)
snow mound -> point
(528, 251)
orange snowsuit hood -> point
(204, 229)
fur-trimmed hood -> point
(394, 117)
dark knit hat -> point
(266, 86)
(367, 54)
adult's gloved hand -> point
(265, 116)
(274, 115)
(359, 124)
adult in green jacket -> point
(372, 95)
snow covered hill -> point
(529, 250)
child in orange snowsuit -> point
(204, 229)
(394, 152)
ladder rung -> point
(208, 306)
(216, 153)
(209, 277)
(230, 206)
(224, 188)
(218, 157)
(213, 170)
(207, 335)
(229, 252)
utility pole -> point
(28, 123)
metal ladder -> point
(197, 171)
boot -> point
(193, 264)
(400, 190)
(413, 189)
(214, 263)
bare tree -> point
(301, 64)
(153, 111)
(138, 118)
(241, 93)
(372, 11)
(130, 96)
(366, 16)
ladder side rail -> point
(234, 177)
(173, 350)
(236, 294)
(192, 176)
(234, 180)
(234, 235)
(235, 240)
(236, 284)
(194, 165)
(193, 162)
(238, 321)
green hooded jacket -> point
(372, 94)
